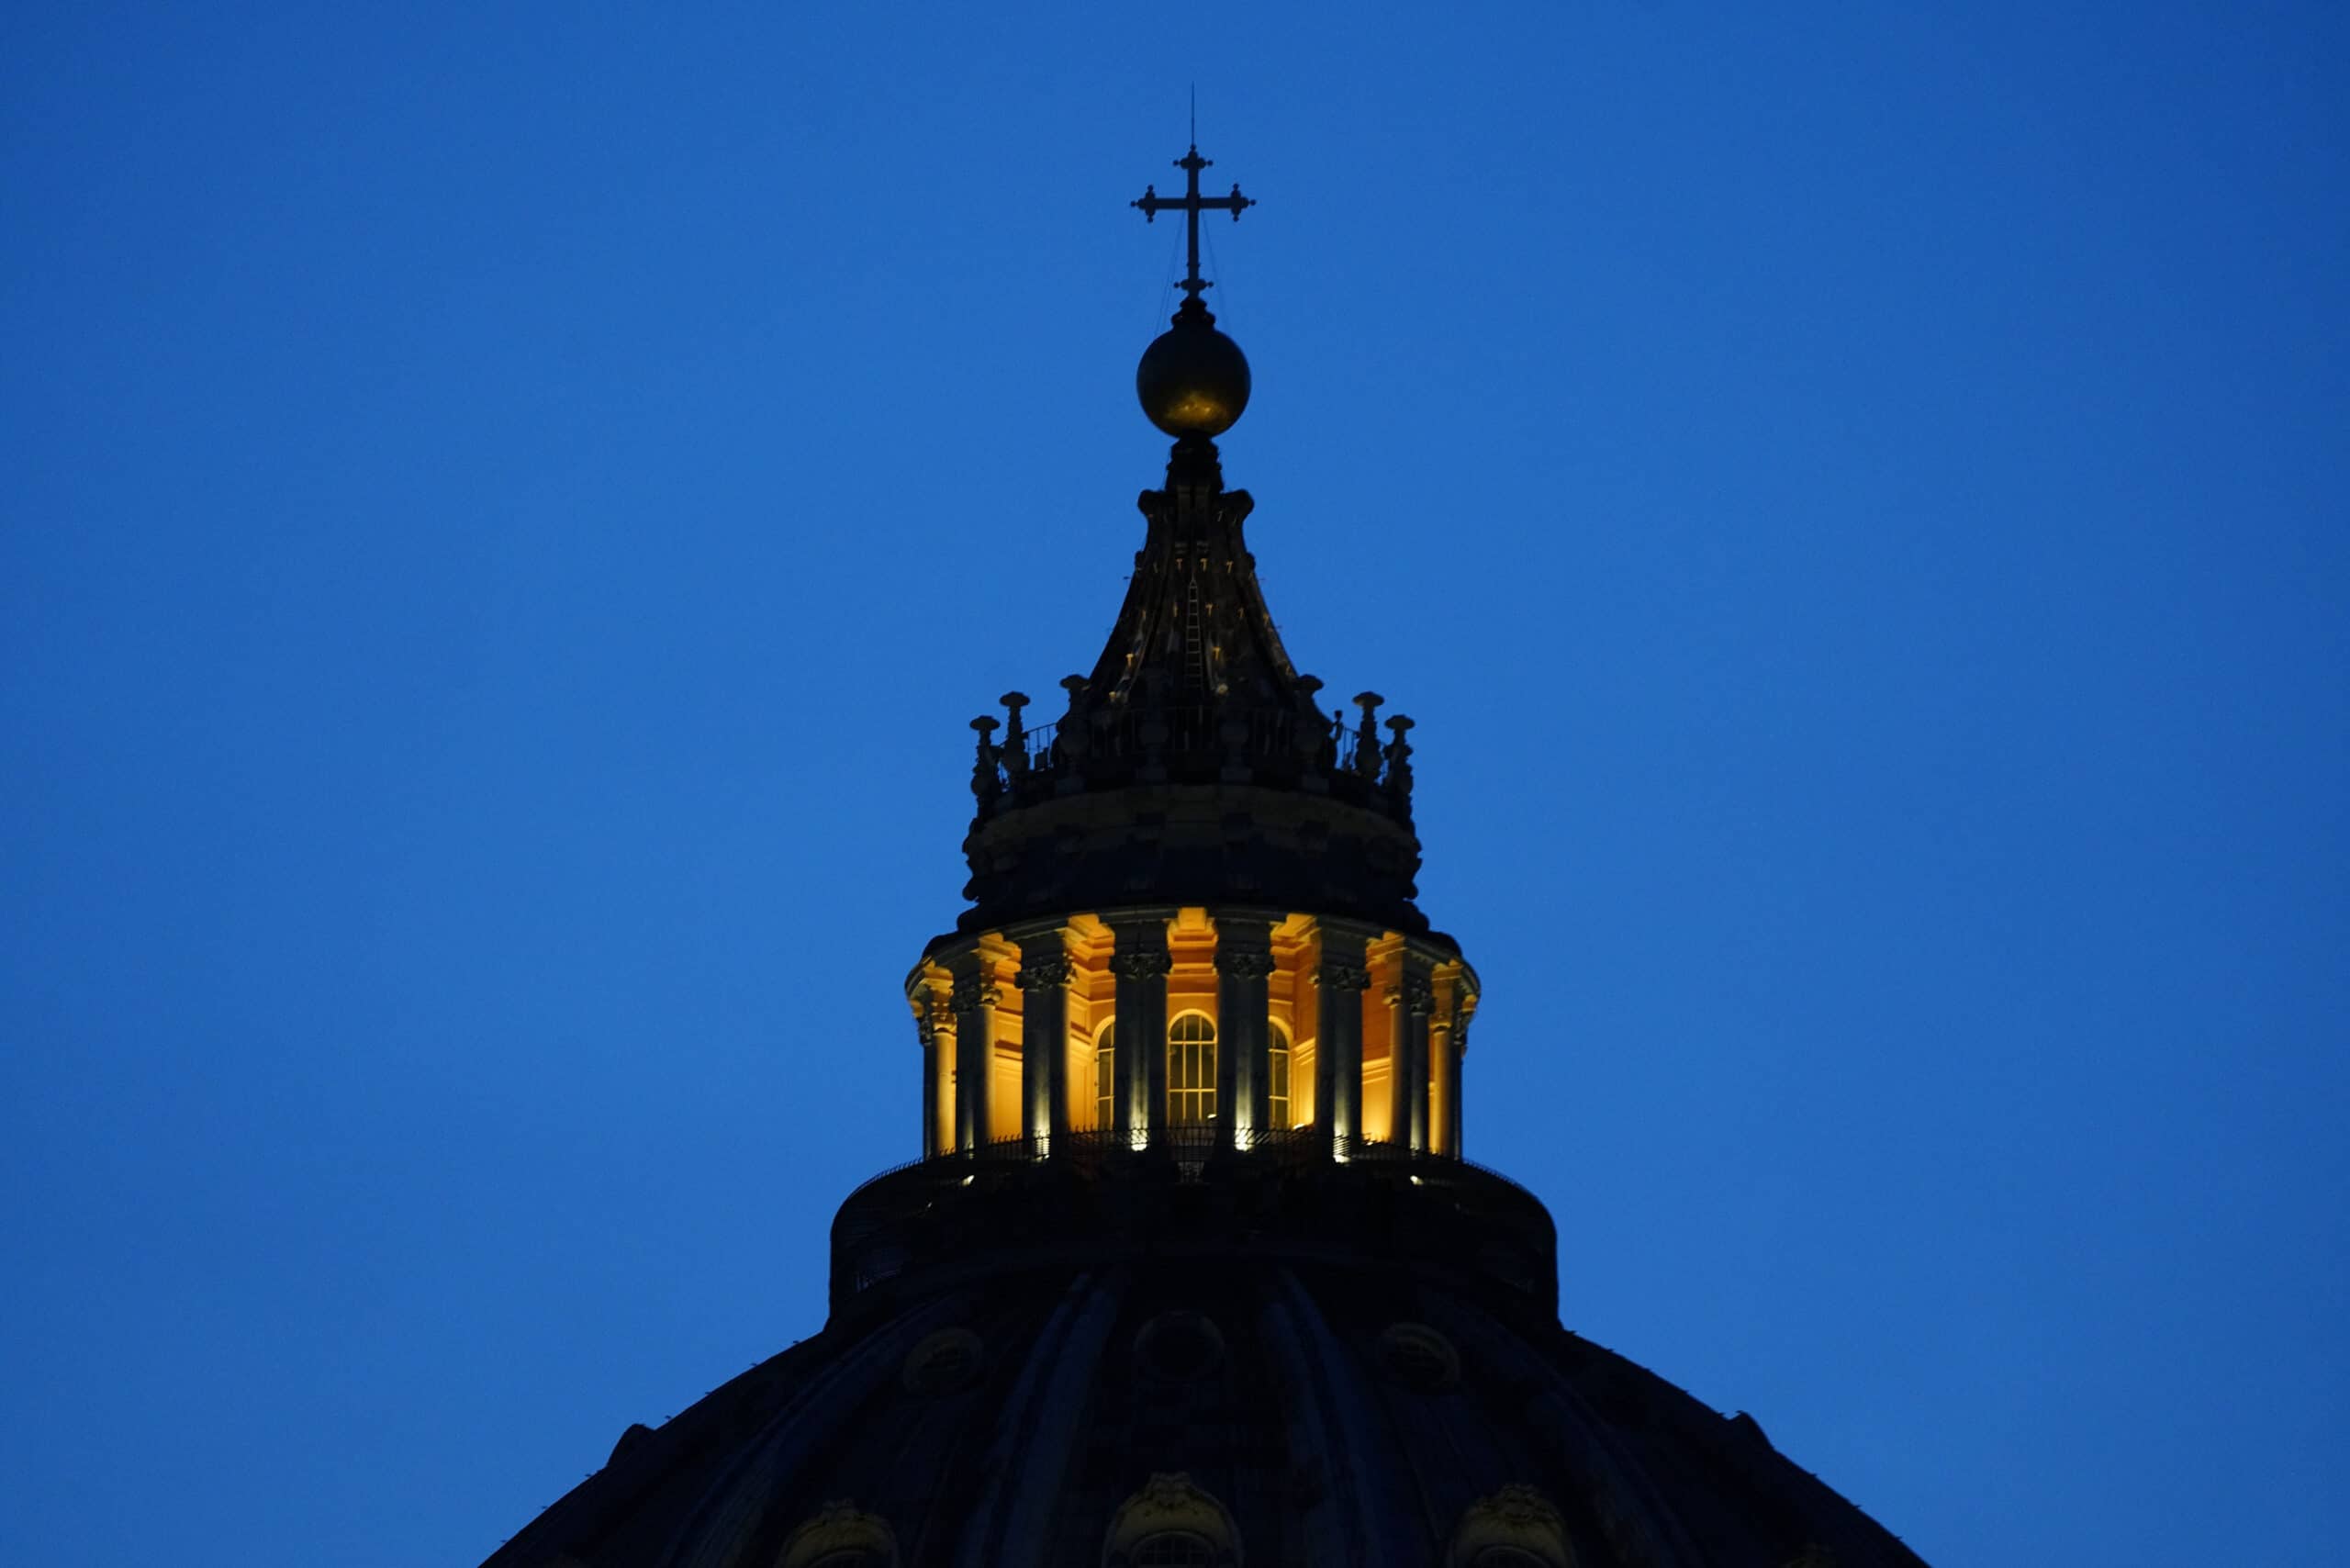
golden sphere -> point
(1193, 381)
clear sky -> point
(506, 512)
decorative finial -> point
(1015, 735)
(985, 782)
(1367, 736)
(1399, 757)
(1193, 381)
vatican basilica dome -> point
(1194, 1268)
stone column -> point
(1140, 960)
(1444, 1085)
(1465, 1009)
(1244, 966)
(1341, 976)
(928, 1037)
(1416, 996)
(974, 996)
(1045, 974)
(939, 1079)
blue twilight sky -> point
(505, 512)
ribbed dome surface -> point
(1332, 1406)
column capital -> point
(1249, 963)
(975, 990)
(1145, 965)
(1337, 974)
(1045, 971)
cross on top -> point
(1192, 204)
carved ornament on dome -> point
(1419, 1357)
(1514, 1526)
(1169, 1505)
(943, 1363)
(841, 1533)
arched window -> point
(1277, 1079)
(1171, 1524)
(1190, 1068)
(1105, 1080)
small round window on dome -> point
(1178, 1345)
(942, 1362)
(1419, 1358)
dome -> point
(1193, 1273)
(1193, 381)
(1375, 1375)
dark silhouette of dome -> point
(1187, 1356)
(1193, 381)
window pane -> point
(1105, 1081)
(1190, 1068)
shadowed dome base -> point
(1130, 1397)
